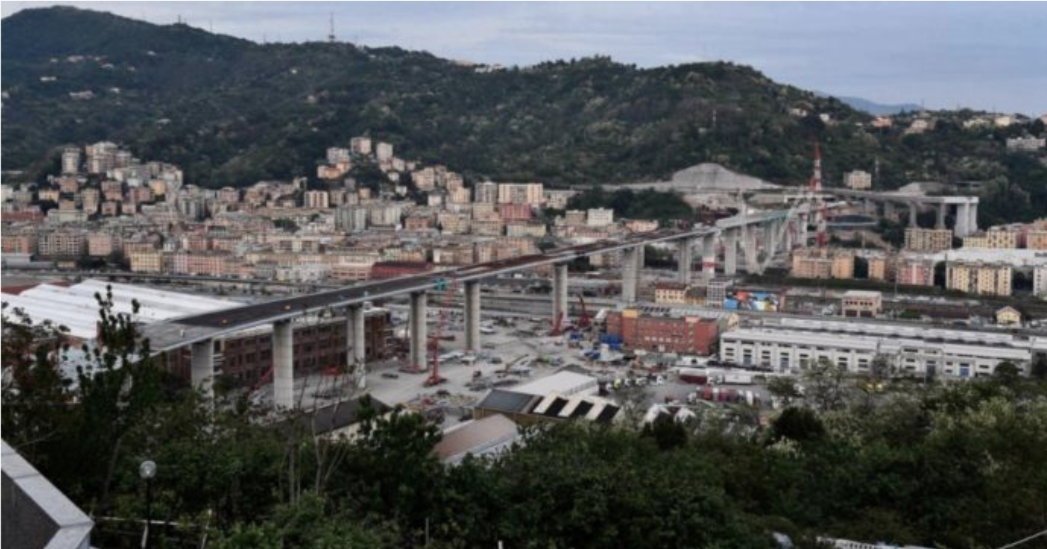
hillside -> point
(231, 112)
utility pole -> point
(330, 33)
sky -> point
(983, 55)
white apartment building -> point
(521, 193)
(908, 350)
(383, 152)
(1039, 282)
(858, 180)
(317, 200)
(599, 217)
(361, 145)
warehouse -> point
(911, 350)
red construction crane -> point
(819, 204)
(448, 290)
(583, 320)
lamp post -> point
(147, 470)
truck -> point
(737, 378)
(695, 376)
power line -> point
(1023, 540)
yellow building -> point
(993, 238)
(979, 278)
(928, 240)
(670, 292)
(879, 268)
(1008, 316)
(151, 261)
(824, 264)
(1036, 239)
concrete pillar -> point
(770, 238)
(202, 372)
(419, 331)
(730, 252)
(355, 346)
(913, 216)
(963, 217)
(749, 248)
(942, 212)
(889, 211)
(283, 365)
(709, 256)
(685, 259)
(472, 316)
(801, 230)
(972, 221)
(630, 275)
(790, 227)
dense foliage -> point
(231, 111)
(628, 204)
(952, 466)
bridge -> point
(782, 230)
(966, 207)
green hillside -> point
(231, 112)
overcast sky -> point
(988, 56)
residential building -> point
(928, 240)
(485, 193)
(859, 303)
(1008, 316)
(63, 243)
(996, 238)
(599, 217)
(361, 145)
(914, 271)
(1026, 144)
(670, 292)
(1036, 239)
(521, 193)
(1039, 282)
(979, 278)
(857, 180)
(383, 152)
(71, 160)
(823, 263)
(317, 200)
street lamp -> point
(147, 470)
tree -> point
(799, 424)
(785, 389)
(1007, 373)
(1039, 368)
(824, 383)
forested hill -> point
(232, 111)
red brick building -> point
(393, 269)
(684, 335)
(514, 212)
(245, 358)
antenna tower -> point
(330, 32)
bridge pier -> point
(283, 365)
(972, 220)
(472, 315)
(355, 351)
(630, 275)
(770, 239)
(685, 259)
(787, 235)
(749, 248)
(418, 330)
(942, 212)
(913, 222)
(202, 369)
(709, 256)
(963, 217)
(889, 211)
(730, 252)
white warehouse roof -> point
(76, 308)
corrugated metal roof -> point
(507, 401)
(76, 307)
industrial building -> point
(908, 350)
(683, 331)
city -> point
(392, 319)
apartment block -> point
(857, 180)
(928, 240)
(823, 264)
(979, 278)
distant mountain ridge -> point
(879, 109)
(231, 112)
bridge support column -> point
(356, 351)
(685, 259)
(972, 221)
(472, 316)
(418, 330)
(913, 216)
(202, 370)
(963, 216)
(630, 275)
(787, 234)
(889, 211)
(283, 365)
(730, 253)
(709, 256)
(770, 239)
(749, 248)
(940, 221)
